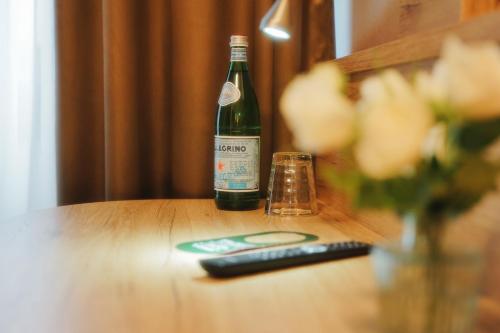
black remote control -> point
(274, 259)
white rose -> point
(466, 77)
(319, 115)
(394, 122)
(433, 87)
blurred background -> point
(115, 99)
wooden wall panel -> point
(473, 8)
(378, 21)
(417, 50)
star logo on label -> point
(220, 166)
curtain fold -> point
(139, 83)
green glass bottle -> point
(237, 136)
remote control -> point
(274, 259)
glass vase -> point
(425, 287)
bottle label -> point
(238, 54)
(236, 163)
(229, 94)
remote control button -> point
(334, 246)
(315, 249)
(290, 253)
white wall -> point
(343, 37)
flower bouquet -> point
(423, 148)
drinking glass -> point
(291, 190)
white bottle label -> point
(229, 94)
(239, 54)
(237, 163)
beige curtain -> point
(138, 87)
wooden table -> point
(113, 267)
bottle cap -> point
(238, 40)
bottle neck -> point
(238, 59)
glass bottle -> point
(237, 136)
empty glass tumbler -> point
(291, 190)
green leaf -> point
(400, 194)
(347, 181)
(372, 194)
(475, 136)
(474, 178)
